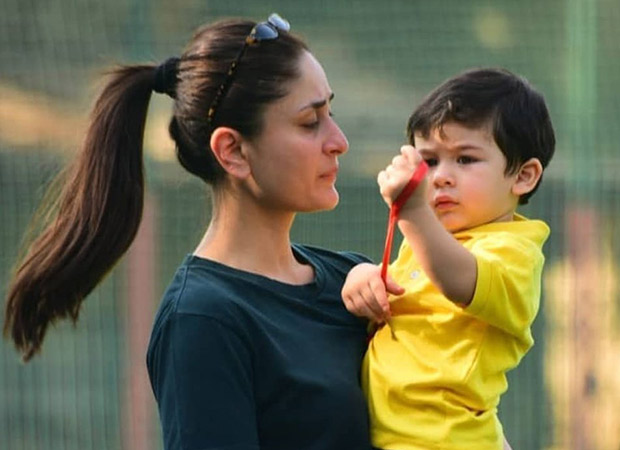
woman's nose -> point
(336, 140)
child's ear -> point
(527, 177)
(226, 145)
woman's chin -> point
(325, 203)
(333, 200)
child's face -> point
(467, 184)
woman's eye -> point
(311, 125)
(316, 121)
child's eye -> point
(431, 162)
(466, 160)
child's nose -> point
(442, 175)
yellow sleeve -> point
(507, 293)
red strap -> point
(411, 186)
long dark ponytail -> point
(93, 219)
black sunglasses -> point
(263, 31)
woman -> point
(251, 347)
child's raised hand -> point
(395, 177)
(364, 293)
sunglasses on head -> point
(263, 31)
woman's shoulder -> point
(200, 288)
(197, 294)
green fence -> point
(88, 389)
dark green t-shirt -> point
(240, 361)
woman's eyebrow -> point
(318, 104)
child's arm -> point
(449, 265)
(365, 295)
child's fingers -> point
(357, 304)
(382, 177)
(392, 287)
(407, 149)
(392, 179)
(409, 153)
(385, 188)
(369, 297)
(412, 156)
(358, 292)
(352, 305)
(378, 296)
(399, 161)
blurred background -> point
(89, 389)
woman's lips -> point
(330, 175)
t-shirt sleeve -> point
(202, 378)
(507, 293)
(357, 258)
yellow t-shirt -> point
(438, 384)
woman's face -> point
(294, 161)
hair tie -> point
(165, 79)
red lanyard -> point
(411, 186)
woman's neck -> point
(254, 240)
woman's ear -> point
(527, 177)
(226, 145)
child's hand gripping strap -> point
(397, 204)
